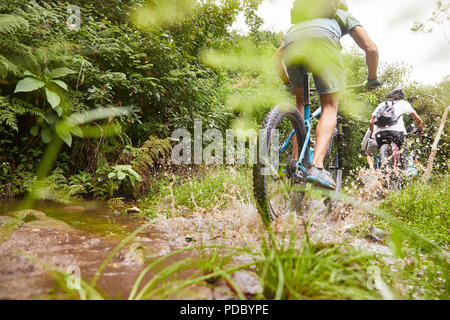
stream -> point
(70, 237)
(78, 237)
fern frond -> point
(20, 54)
(7, 114)
(7, 66)
(152, 150)
(11, 23)
(10, 109)
(75, 189)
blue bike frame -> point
(306, 152)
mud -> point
(83, 234)
(31, 237)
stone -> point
(74, 209)
(376, 234)
(133, 210)
(248, 282)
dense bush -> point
(113, 60)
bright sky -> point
(388, 23)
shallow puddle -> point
(75, 237)
(90, 216)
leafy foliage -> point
(425, 206)
(50, 72)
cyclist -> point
(369, 148)
(313, 43)
(395, 128)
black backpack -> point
(386, 116)
(304, 10)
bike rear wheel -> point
(333, 159)
(276, 192)
(390, 166)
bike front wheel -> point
(275, 178)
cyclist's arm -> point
(372, 124)
(418, 121)
(278, 59)
(362, 39)
(365, 139)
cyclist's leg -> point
(299, 99)
(370, 160)
(325, 127)
(329, 82)
(403, 152)
(329, 78)
(324, 131)
(296, 74)
(299, 94)
(372, 149)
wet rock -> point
(4, 220)
(376, 235)
(195, 292)
(133, 210)
(222, 291)
(248, 282)
(134, 254)
(30, 215)
(74, 209)
(143, 239)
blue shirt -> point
(329, 27)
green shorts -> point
(318, 53)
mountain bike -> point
(393, 161)
(278, 180)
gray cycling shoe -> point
(320, 177)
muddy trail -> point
(83, 234)
(70, 237)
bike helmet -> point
(396, 94)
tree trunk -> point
(434, 148)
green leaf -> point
(34, 131)
(64, 134)
(29, 84)
(76, 131)
(62, 84)
(46, 135)
(121, 175)
(61, 72)
(28, 73)
(52, 97)
(136, 175)
(58, 111)
(111, 175)
(47, 72)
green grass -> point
(425, 207)
(316, 271)
(215, 189)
